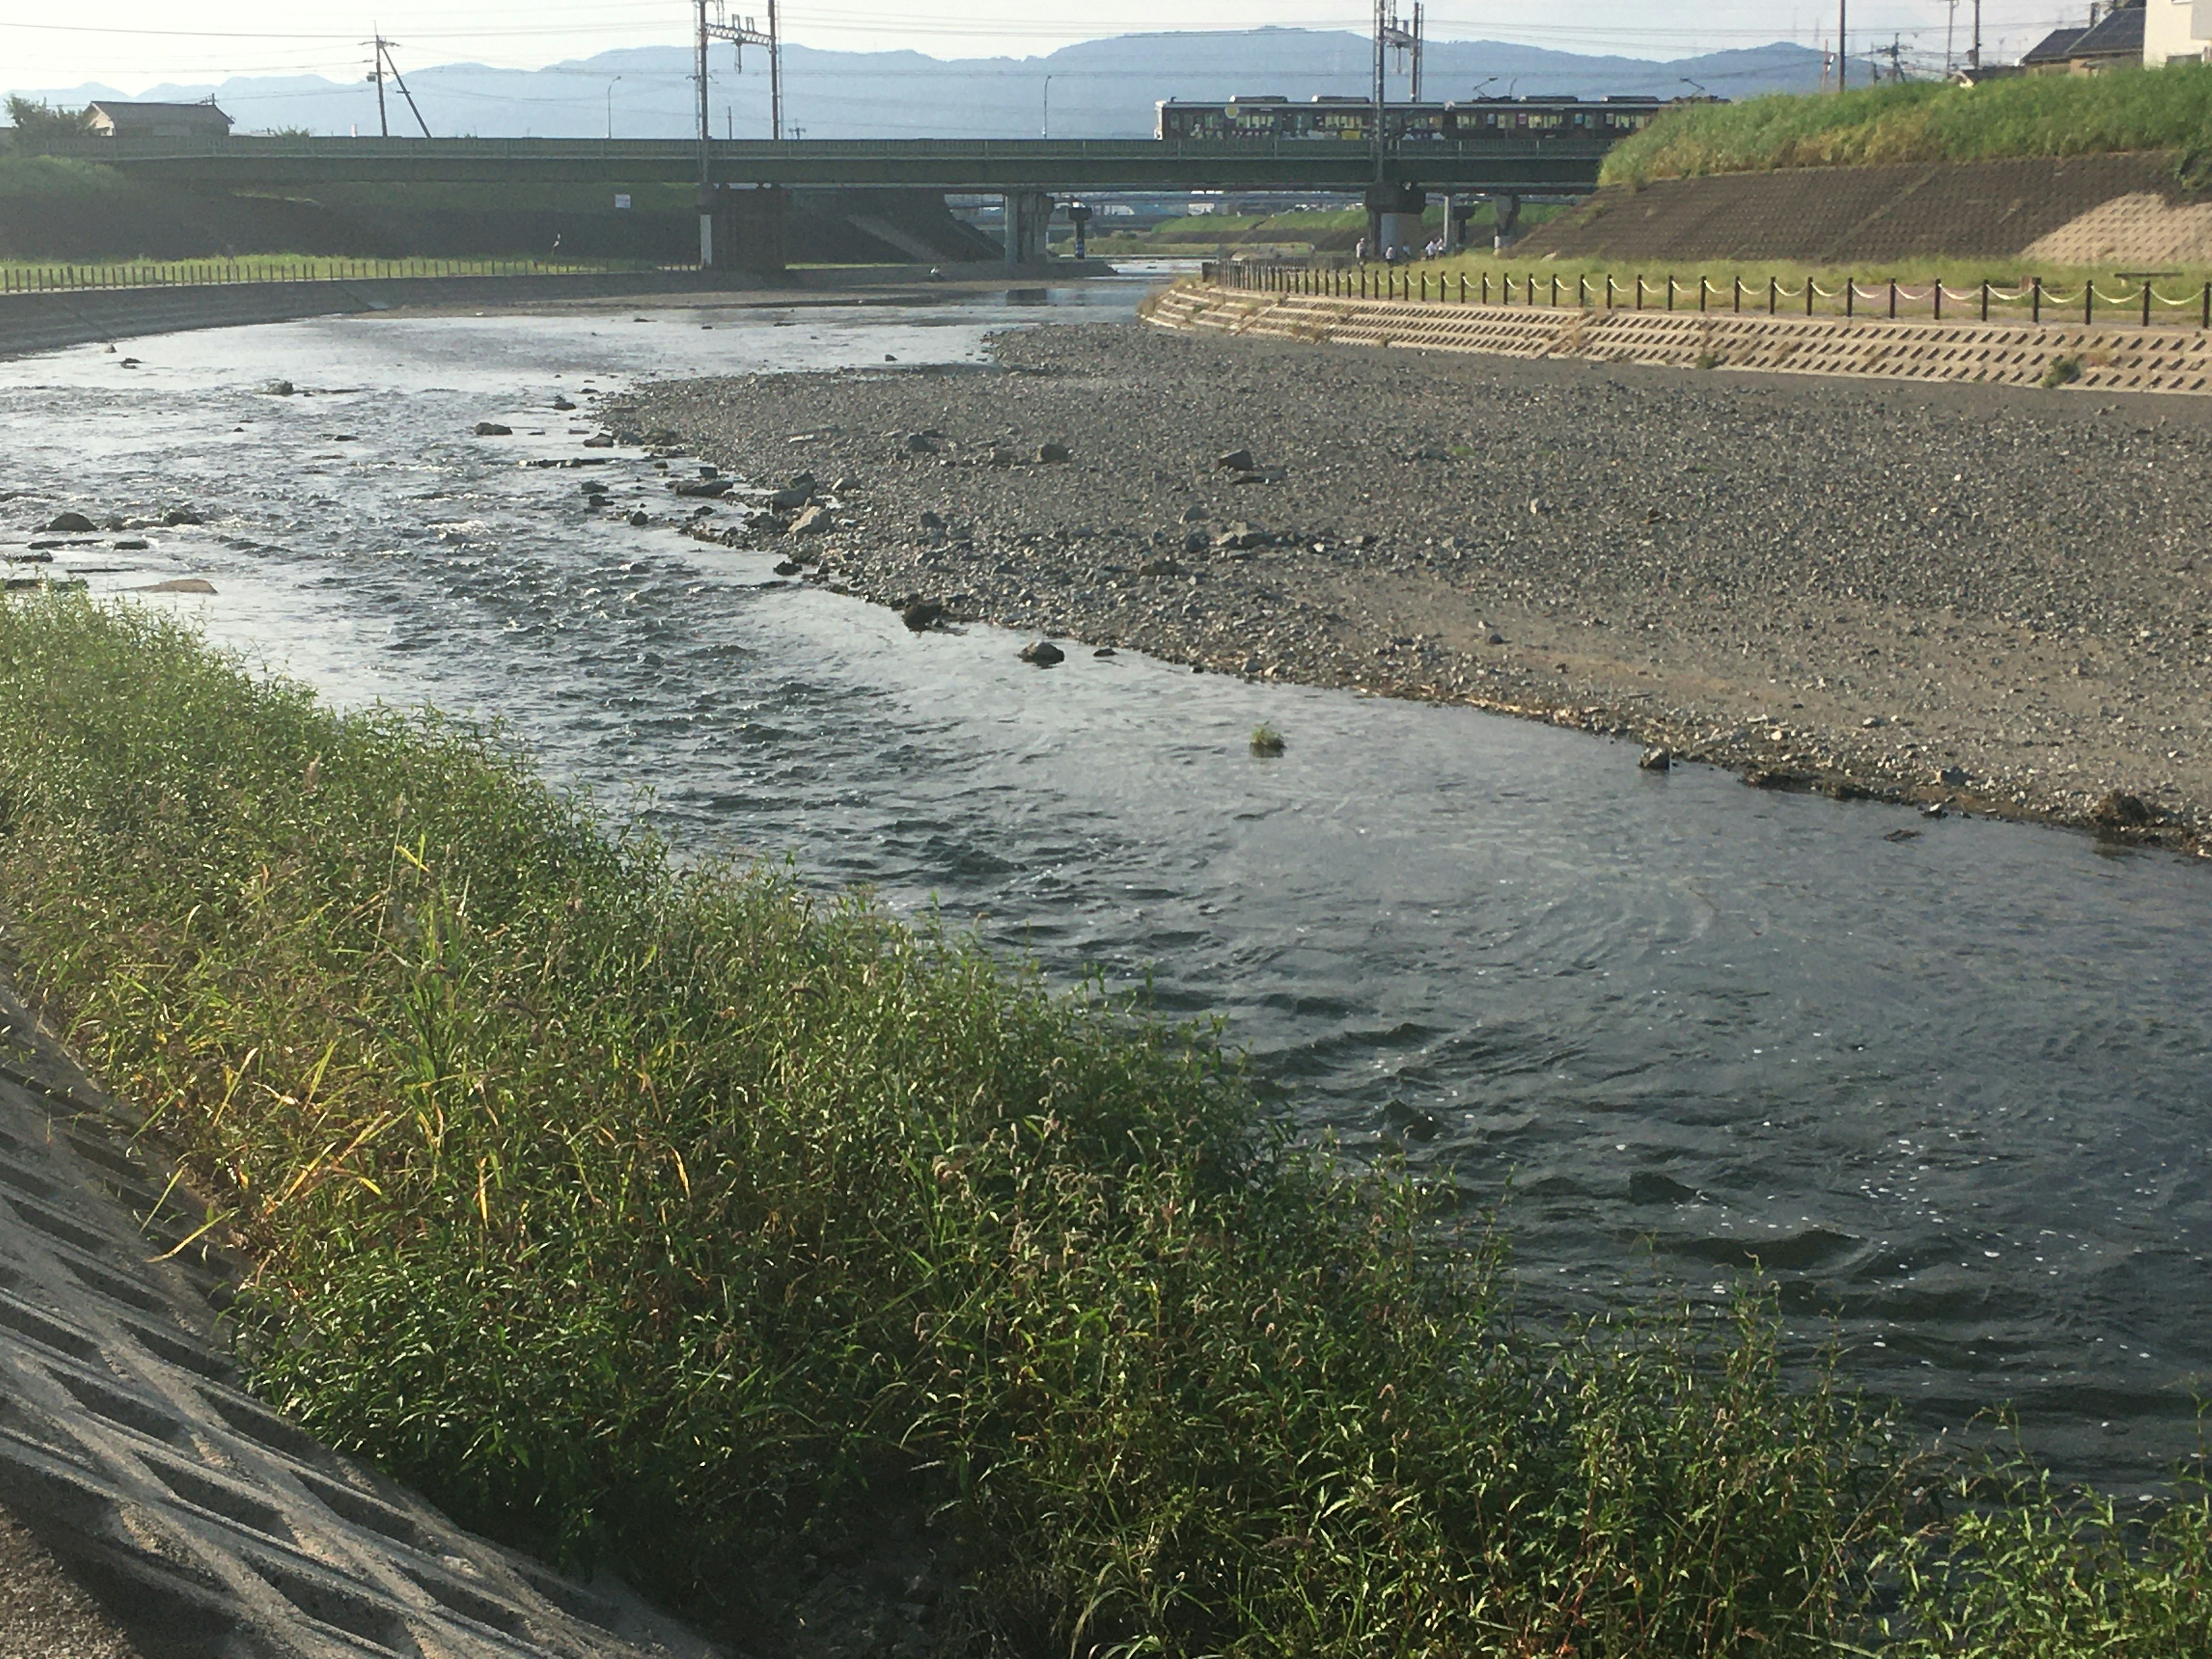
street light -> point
(1047, 131)
(1699, 85)
(610, 106)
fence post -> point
(1939, 296)
(1850, 296)
(1736, 303)
(2088, 299)
(1701, 294)
(2207, 319)
(1463, 287)
(1773, 294)
(1892, 299)
(2035, 299)
(2146, 300)
(1670, 291)
(1639, 290)
(1809, 294)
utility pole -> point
(1381, 40)
(1404, 41)
(740, 35)
(1974, 57)
(1950, 34)
(380, 65)
(1843, 45)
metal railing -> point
(2033, 300)
(68, 277)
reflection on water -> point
(1950, 1087)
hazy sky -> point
(133, 44)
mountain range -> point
(1095, 89)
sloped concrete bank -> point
(2061, 211)
(200, 1522)
(2105, 359)
(46, 322)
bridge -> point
(986, 165)
(749, 175)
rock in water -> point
(181, 584)
(2119, 811)
(1237, 460)
(561, 402)
(922, 615)
(1044, 654)
(177, 515)
(1656, 759)
(812, 521)
(494, 430)
(68, 524)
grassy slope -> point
(676, 1217)
(2168, 108)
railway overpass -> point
(747, 174)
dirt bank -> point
(1993, 598)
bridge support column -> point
(747, 231)
(1458, 210)
(1394, 217)
(1027, 213)
(1507, 211)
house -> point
(2177, 32)
(2112, 41)
(116, 119)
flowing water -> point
(1945, 1080)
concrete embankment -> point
(200, 1520)
(2115, 358)
(2084, 210)
(47, 321)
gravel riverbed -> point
(1986, 598)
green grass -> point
(2163, 109)
(17, 276)
(2178, 298)
(676, 1218)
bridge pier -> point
(1506, 209)
(1027, 214)
(745, 230)
(1394, 217)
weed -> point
(1708, 359)
(678, 1217)
(1267, 741)
(2168, 108)
(2060, 371)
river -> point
(1945, 1080)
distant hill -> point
(1096, 89)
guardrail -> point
(62, 277)
(2033, 301)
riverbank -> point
(47, 321)
(1967, 597)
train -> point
(1245, 119)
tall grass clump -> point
(678, 1219)
(2161, 109)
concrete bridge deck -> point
(1531, 167)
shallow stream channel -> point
(1947, 1081)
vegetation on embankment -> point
(681, 1218)
(2178, 295)
(2161, 109)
